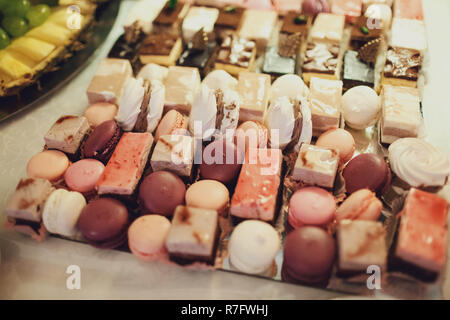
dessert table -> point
(31, 270)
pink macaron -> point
(82, 175)
(340, 140)
(311, 206)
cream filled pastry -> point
(419, 163)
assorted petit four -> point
(256, 193)
(104, 223)
(61, 212)
(316, 165)
(108, 81)
(147, 236)
(208, 194)
(174, 152)
(401, 116)
(360, 205)
(311, 206)
(198, 18)
(356, 72)
(162, 48)
(325, 96)
(253, 89)
(361, 244)
(236, 54)
(193, 235)
(161, 192)
(126, 165)
(361, 107)
(367, 171)
(422, 236)
(308, 256)
(48, 164)
(258, 25)
(100, 112)
(418, 163)
(67, 133)
(233, 177)
(182, 84)
(253, 246)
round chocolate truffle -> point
(161, 192)
(221, 161)
(101, 142)
(308, 256)
(369, 171)
(104, 222)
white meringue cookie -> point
(419, 163)
(289, 85)
(153, 72)
(156, 105)
(220, 79)
(130, 103)
(280, 120)
(204, 110)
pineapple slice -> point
(63, 17)
(51, 32)
(34, 49)
(13, 67)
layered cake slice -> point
(325, 97)
(422, 234)
(127, 163)
(193, 235)
(182, 84)
(162, 48)
(67, 133)
(254, 91)
(256, 192)
(401, 117)
(402, 67)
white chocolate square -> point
(182, 84)
(316, 165)
(408, 34)
(197, 18)
(193, 232)
(328, 27)
(361, 244)
(174, 153)
(258, 25)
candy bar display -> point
(281, 139)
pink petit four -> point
(422, 235)
(408, 9)
(256, 192)
(124, 169)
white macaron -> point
(61, 212)
(361, 107)
(253, 246)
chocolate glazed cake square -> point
(402, 66)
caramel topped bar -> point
(402, 64)
(321, 60)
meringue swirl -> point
(419, 163)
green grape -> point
(38, 14)
(17, 8)
(4, 39)
(15, 26)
